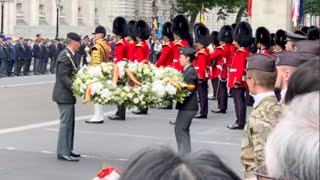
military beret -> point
(295, 37)
(100, 29)
(288, 58)
(53, 40)
(188, 51)
(4, 38)
(261, 62)
(74, 36)
(308, 46)
(85, 37)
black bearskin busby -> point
(313, 33)
(141, 30)
(225, 34)
(300, 33)
(120, 27)
(214, 38)
(263, 36)
(166, 30)
(180, 27)
(202, 35)
(305, 29)
(273, 36)
(130, 28)
(234, 25)
(280, 38)
(243, 34)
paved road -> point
(29, 125)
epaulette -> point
(94, 48)
(139, 44)
(178, 43)
(120, 42)
(202, 51)
(220, 47)
(240, 49)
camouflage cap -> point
(261, 62)
(288, 58)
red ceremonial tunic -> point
(121, 50)
(142, 52)
(238, 67)
(201, 63)
(176, 54)
(166, 57)
(220, 56)
(232, 49)
(131, 49)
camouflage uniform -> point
(259, 125)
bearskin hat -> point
(202, 35)
(300, 32)
(305, 29)
(120, 26)
(141, 30)
(273, 36)
(263, 36)
(130, 28)
(313, 33)
(243, 34)
(234, 25)
(280, 38)
(214, 38)
(166, 30)
(225, 34)
(180, 26)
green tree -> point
(312, 7)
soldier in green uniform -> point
(261, 77)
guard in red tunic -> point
(263, 40)
(201, 63)
(220, 69)
(142, 51)
(131, 41)
(182, 38)
(280, 41)
(120, 29)
(166, 57)
(242, 39)
(212, 47)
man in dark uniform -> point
(84, 50)
(37, 54)
(201, 63)
(53, 51)
(263, 40)
(29, 54)
(242, 39)
(11, 56)
(63, 96)
(3, 56)
(45, 56)
(20, 57)
(120, 29)
(189, 108)
(293, 38)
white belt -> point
(233, 70)
(196, 68)
(219, 67)
(175, 60)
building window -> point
(20, 14)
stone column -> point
(71, 11)
(52, 7)
(9, 20)
(88, 7)
(273, 14)
(34, 13)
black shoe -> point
(230, 95)
(166, 107)
(199, 116)
(172, 122)
(116, 118)
(218, 111)
(72, 154)
(139, 112)
(235, 127)
(94, 122)
(67, 158)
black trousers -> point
(240, 105)
(3, 67)
(18, 63)
(249, 98)
(44, 65)
(10, 67)
(26, 66)
(37, 66)
(121, 111)
(222, 94)
(52, 65)
(203, 97)
(215, 82)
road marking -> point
(26, 84)
(148, 137)
(45, 124)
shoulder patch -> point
(220, 47)
(240, 50)
(120, 42)
(139, 44)
(202, 51)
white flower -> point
(121, 66)
(158, 88)
(95, 71)
(170, 89)
(158, 73)
(135, 100)
(96, 88)
(130, 95)
(146, 71)
(106, 95)
(133, 67)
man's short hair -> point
(292, 149)
(264, 79)
(160, 163)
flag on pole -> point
(295, 12)
(202, 15)
(250, 8)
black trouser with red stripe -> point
(215, 86)
(203, 97)
(222, 94)
(240, 105)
